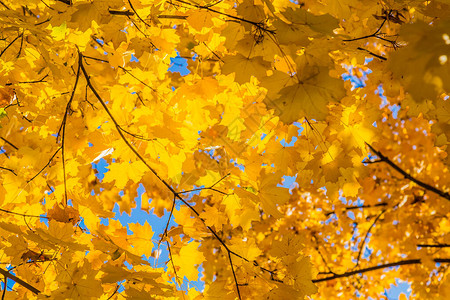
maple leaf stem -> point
(408, 176)
(19, 281)
(388, 265)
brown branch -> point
(68, 2)
(433, 245)
(168, 221)
(48, 163)
(363, 242)
(9, 143)
(406, 175)
(115, 291)
(388, 265)
(137, 15)
(33, 81)
(234, 276)
(371, 53)
(173, 265)
(209, 188)
(172, 17)
(6, 285)
(120, 12)
(20, 214)
(357, 207)
(367, 36)
(62, 129)
(4, 5)
(19, 281)
(260, 25)
(10, 44)
(21, 45)
(8, 169)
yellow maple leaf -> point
(124, 172)
(309, 97)
(141, 240)
(245, 67)
(270, 194)
(187, 260)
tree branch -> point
(9, 45)
(19, 281)
(8, 169)
(394, 264)
(363, 242)
(9, 143)
(62, 129)
(48, 163)
(406, 175)
(433, 245)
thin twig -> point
(20, 214)
(62, 130)
(168, 221)
(363, 242)
(46, 165)
(9, 45)
(8, 169)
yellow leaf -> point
(141, 240)
(188, 259)
(245, 67)
(121, 173)
(309, 97)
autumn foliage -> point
(265, 100)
